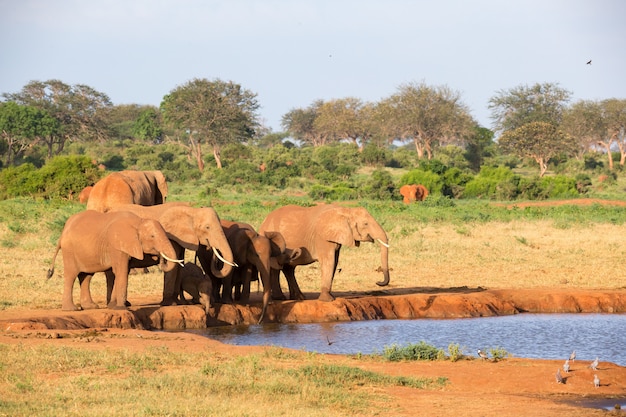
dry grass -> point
(491, 255)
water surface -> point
(538, 336)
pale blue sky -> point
(293, 52)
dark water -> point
(542, 336)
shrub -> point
(432, 181)
(379, 186)
(493, 183)
(413, 352)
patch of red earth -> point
(511, 387)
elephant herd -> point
(129, 224)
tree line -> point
(536, 122)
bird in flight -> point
(572, 357)
(328, 340)
(589, 62)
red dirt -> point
(511, 387)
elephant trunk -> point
(384, 259)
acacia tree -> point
(218, 112)
(514, 108)
(428, 116)
(22, 127)
(614, 112)
(345, 118)
(538, 140)
(584, 123)
(300, 124)
(80, 110)
(148, 125)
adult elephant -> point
(146, 188)
(413, 192)
(320, 232)
(195, 229)
(107, 242)
(254, 253)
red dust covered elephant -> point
(413, 192)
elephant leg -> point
(277, 292)
(120, 287)
(69, 276)
(110, 283)
(227, 289)
(294, 289)
(328, 273)
(216, 287)
(86, 302)
(171, 280)
(244, 286)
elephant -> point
(413, 192)
(83, 197)
(196, 283)
(254, 253)
(190, 228)
(146, 188)
(108, 242)
(320, 232)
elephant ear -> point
(242, 243)
(277, 242)
(179, 226)
(127, 241)
(161, 184)
(334, 226)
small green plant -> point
(498, 353)
(455, 352)
(412, 352)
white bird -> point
(572, 357)
(482, 355)
(566, 366)
(559, 378)
(594, 364)
(596, 381)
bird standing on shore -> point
(596, 381)
(566, 366)
(572, 357)
(594, 364)
(482, 355)
(559, 378)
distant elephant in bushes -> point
(195, 229)
(254, 253)
(197, 284)
(145, 188)
(83, 197)
(413, 192)
(108, 242)
(320, 232)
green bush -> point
(60, 177)
(498, 183)
(413, 352)
(379, 186)
(432, 181)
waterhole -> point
(537, 336)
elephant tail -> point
(54, 258)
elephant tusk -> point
(383, 243)
(216, 252)
(178, 261)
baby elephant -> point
(197, 284)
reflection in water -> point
(545, 336)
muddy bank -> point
(400, 304)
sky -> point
(293, 52)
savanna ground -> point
(112, 371)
